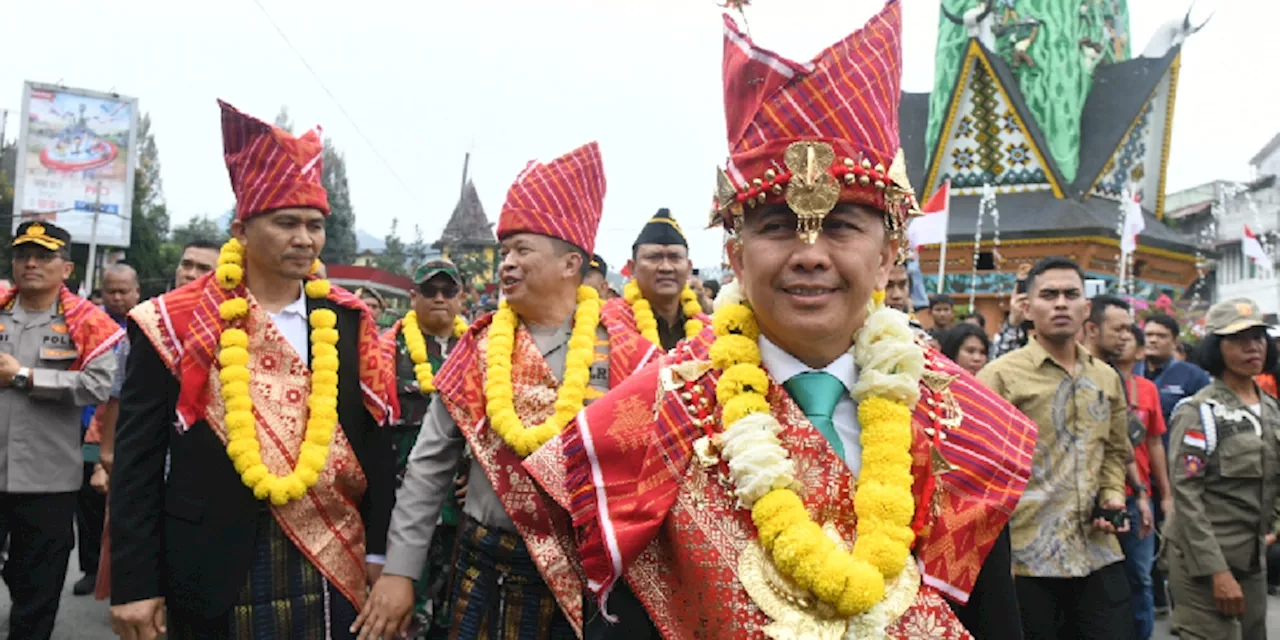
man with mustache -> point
(723, 488)
(199, 257)
(269, 388)
(421, 342)
(515, 380)
(658, 305)
(55, 358)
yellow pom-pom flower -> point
(233, 309)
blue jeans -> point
(1139, 555)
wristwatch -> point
(22, 380)
(1141, 488)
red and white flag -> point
(1133, 223)
(931, 228)
(1253, 250)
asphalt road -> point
(82, 617)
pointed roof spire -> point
(468, 224)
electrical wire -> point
(336, 102)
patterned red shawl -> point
(91, 329)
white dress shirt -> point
(292, 323)
(783, 366)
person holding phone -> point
(1225, 471)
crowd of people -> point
(798, 459)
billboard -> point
(77, 150)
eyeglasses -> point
(429, 290)
(42, 256)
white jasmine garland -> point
(758, 463)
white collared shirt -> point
(292, 323)
(784, 366)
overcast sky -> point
(512, 80)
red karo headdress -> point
(563, 199)
(818, 134)
(271, 168)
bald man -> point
(120, 290)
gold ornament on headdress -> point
(812, 192)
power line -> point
(333, 97)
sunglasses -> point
(429, 290)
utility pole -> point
(93, 240)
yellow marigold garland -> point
(648, 324)
(243, 446)
(500, 405)
(854, 582)
(417, 346)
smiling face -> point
(811, 298)
(533, 268)
(283, 243)
(661, 271)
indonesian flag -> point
(1133, 223)
(1253, 249)
(931, 228)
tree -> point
(202, 227)
(474, 266)
(417, 250)
(149, 218)
(8, 164)
(340, 226)
(393, 257)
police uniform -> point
(66, 361)
(1224, 467)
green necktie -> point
(817, 393)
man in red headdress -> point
(803, 468)
(267, 388)
(512, 382)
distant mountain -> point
(368, 241)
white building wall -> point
(1235, 275)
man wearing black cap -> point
(657, 303)
(55, 357)
(598, 276)
(422, 342)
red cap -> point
(832, 122)
(563, 199)
(271, 168)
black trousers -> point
(91, 508)
(1096, 607)
(40, 541)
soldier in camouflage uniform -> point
(437, 305)
(1224, 466)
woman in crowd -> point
(1224, 454)
(966, 345)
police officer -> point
(1224, 467)
(55, 356)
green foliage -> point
(475, 267)
(340, 226)
(201, 227)
(394, 257)
(417, 250)
(149, 227)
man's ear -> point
(733, 249)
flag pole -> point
(942, 264)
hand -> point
(1166, 506)
(461, 492)
(1148, 520)
(1018, 309)
(8, 369)
(1271, 538)
(388, 610)
(1106, 527)
(100, 479)
(141, 620)
(372, 571)
(107, 460)
(1228, 594)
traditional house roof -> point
(468, 226)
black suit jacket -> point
(191, 539)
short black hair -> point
(563, 247)
(1140, 338)
(1099, 305)
(1209, 355)
(96, 293)
(1165, 321)
(1052, 263)
(200, 243)
(941, 299)
(952, 339)
(712, 286)
(982, 320)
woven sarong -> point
(499, 594)
(284, 597)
